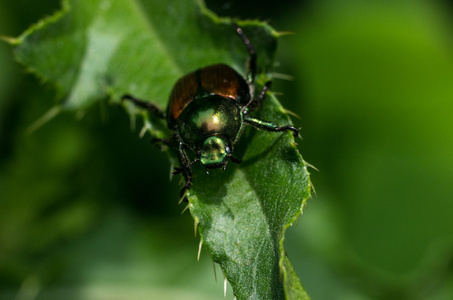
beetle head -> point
(215, 151)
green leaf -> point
(293, 286)
(244, 212)
(99, 49)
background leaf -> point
(89, 52)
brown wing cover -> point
(182, 94)
(217, 79)
(223, 80)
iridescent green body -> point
(218, 79)
(207, 110)
(208, 117)
(210, 124)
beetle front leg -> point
(270, 126)
(146, 105)
(185, 169)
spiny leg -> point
(235, 160)
(171, 142)
(162, 143)
(256, 103)
(146, 105)
(252, 53)
(155, 111)
(184, 169)
(269, 126)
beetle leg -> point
(235, 160)
(270, 126)
(146, 105)
(185, 169)
(159, 142)
(184, 189)
(252, 53)
(256, 103)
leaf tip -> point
(312, 187)
(282, 76)
(225, 284)
(52, 113)
(289, 112)
(311, 166)
(185, 208)
(283, 33)
(10, 40)
(195, 226)
(199, 249)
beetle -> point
(207, 109)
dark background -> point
(87, 210)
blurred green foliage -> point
(373, 86)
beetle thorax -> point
(208, 122)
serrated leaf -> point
(104, 49)
(292, 285)
(243, 212)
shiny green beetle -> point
(207, 110)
